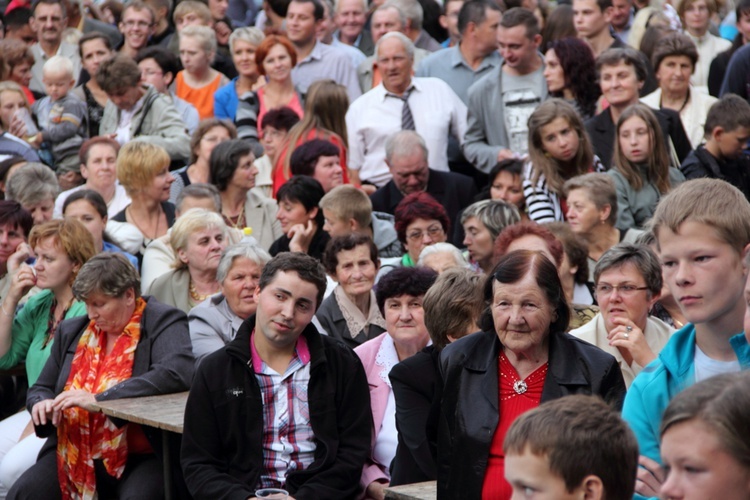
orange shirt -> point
(202, 98)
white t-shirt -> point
(706, 367)
(521, 96)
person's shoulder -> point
(586, 349)
(420, 364)
(336, 349)
(438, 59)
(465, 346)
(369, 349)
(156, 311)
(486, 83)
(453, 179)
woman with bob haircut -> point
(126, 346)
(705, 427)
(492, 377)
(215, 321)
(641, 168)
(318, 159)
(420, 221)
(570, 71)
(143, 170)
(198, 238)
(301, 218)
(233, 173)
(559, 149)
(451, 309)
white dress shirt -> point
(372, 118)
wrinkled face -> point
(194, 57)
(21, 74)
(351, 17)
(300, 22)
(509, 188)
(243, 57)
(697, 17)
(328, 172)
(560, 140)
(48, 22)
(421, 233)
(10, 238)
(54, 269)
(518, 50)
(674, 74)
(136, 27)
(218, 9)
(487, 31)
(212, 138)
(42, 211)
(85, 213)
(203, 249)
(93, 53)
(440, 261)
(410, 172)
(356, 271)
(100, 169)
(278, 63)
(404, 319)
(553, 72)
(152, 74)
(10, 102)
(244, 176)
(620, 14)
(530, 477)
(583, 215)
(285, 307)
(698, 465)
(384, 21)
(291, 213)
(619, 84)
(478, 240)
(395, 65)
(625, 301)
(239, 286)
(521, 314)
(111, 314)
(635, 139)
(589, 19)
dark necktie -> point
(407, 120)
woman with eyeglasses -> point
(628, 282)
(420, 221)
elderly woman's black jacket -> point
(469, 410)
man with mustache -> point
(48, 20)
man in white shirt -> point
(48, 20)
(401, 102)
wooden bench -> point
(416, 491)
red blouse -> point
(511, 406)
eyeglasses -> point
(604, 290)
(433, 232)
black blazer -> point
(601, 130)
(469, 410)
(454, 191)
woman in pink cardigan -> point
(399, 295)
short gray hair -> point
(443, 248)
(249, 34)
(389, 5)
(31, 184)
(412, 10)
(195, 219)
(246, 250)
(496, 215)
(200, 191)
(601, 191)
(408, 44)
(403, 143)
(109, 273)
(643, 259)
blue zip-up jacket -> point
(671, 372)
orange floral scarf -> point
(83, 436)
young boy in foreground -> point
(703, 230)
(572, 447)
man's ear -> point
(168, 79)
(537, 40)
(443, 20)
(608, 14)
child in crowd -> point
(63, 120)
(722, 157)
(572, 447)
(702, 229)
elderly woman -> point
(233, 172)
(696, 19)
(215, 321)
(592, 214)
(442, 256)
(351, 313)
(420, 221)
(451, 309)
(209, 133)
(521, 358)
(61, 247)
(628, 283)
(128, 346)
(198, 82)
(318, 159)
(143, 170)
(482, 222)
(300, 217)
(243, 43)
(198, 238)
(400, 294)
(674, 60)
(35, 187)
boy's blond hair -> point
(348, 202)
(712, 202)
(138, 164)
(58, 66)
(191, 6)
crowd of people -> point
(499, 245)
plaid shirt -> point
(288, 439)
